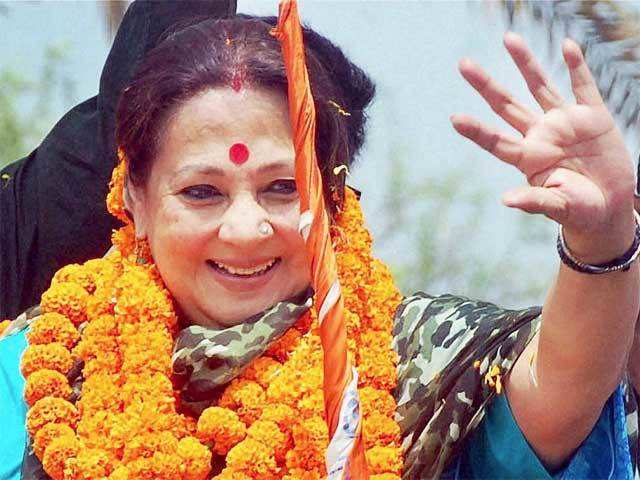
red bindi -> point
(239, 153)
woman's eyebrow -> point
(202, 169)
(275, 166)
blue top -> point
(496, 450)
(12, 406)
(499, 450)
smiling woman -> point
(202, 214)
(192, 351)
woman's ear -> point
(135, 207)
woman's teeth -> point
(245, 271)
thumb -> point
(538, 200)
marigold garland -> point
(268, 423)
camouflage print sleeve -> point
(453, 352)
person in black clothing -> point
(52, 208)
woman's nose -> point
(241, 222)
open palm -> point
(578, 170)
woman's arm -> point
(579, 174)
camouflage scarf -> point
(205, 359)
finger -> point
(542, 90)
(582, 83)
(499, 99)
(538, 200)
(501, 145)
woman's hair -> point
(211, 53)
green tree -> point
(608, 32)
(438, 220)
(26, 106)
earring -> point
(142, 251)
(265, 229)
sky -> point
(411, 51)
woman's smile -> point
(248, 269)
(244, 279)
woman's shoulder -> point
(424, 323)
(452, 350)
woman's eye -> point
(200, 192)
(284, 187)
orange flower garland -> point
(269, 422)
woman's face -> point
(223, 226)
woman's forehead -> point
(226, 128)
(225, 112)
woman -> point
(207, 191)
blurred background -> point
(432, 199)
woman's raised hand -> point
(578, 169)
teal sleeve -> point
(12, 406)
(499, 450)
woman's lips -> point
(250, 269)
(243, 282)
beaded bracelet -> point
(622, 263)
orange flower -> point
(56, 455)
(380, 401)
(262, 370)
(90, 463)
(99, 425)
(282, 348)
(253, 458)
(301, 474)
(222, 427)
(3, 325)
(101, 302)
(312, 405)
(124, 239)
(77, 274)
(68, 299)
(384, 460)
(46, 383)
(53, 356)
(268, 433)
(246, 397)
(115, 199)
(281, 414)
(195, 457)
(104, 362)
(50, 409)
(146, 444)
(380, 430)
(120, 473)
(231, 474)
(47, 433)
(100, 391)
(53, 328)
(146, 353)
(378, 372)
(152, 388)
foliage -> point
(609, 34)
(442, 223)
(26, 106)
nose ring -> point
(265, 229)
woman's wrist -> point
(604, 246)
